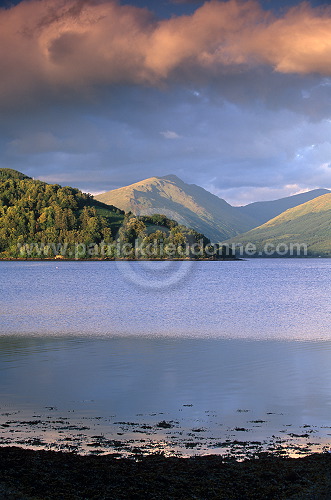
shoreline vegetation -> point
(46, 475)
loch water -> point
(179, 357)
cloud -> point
(243, 196)
(96, 95)
(299, 42)
(185, 1)
(55, 46)
(169, 134)
(242, 153)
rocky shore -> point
(42, 475)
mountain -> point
(40, 220)
(195, 207)
(308, 224)
(262, 211)
(186, 203)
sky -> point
(234, 96)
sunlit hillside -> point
(189, 204)
(309, 224)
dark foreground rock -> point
(43, 475)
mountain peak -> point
(173, 178)
(188, 204)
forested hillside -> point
(40, 220)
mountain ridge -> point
(196, 207)
(308, 225)
(262, 211)
(189, 204)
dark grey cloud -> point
(242, 148)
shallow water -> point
(198, 357)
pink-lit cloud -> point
(74, 44)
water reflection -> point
(262, 388)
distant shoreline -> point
(117, 260)
(232, 259)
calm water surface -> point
(185, 357)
